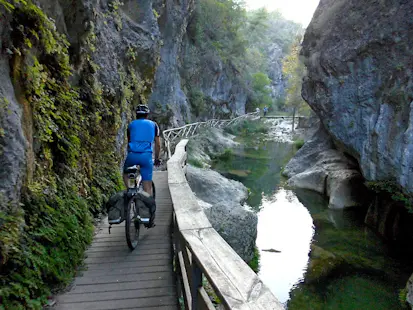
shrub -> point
(197, 102)
(394, 190)
(247, 127)
(299, 143)
(254, 263)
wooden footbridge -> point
(172, 263)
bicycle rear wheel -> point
(132, 224)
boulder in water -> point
(223, 202)
(319, 166)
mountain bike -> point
(136, 212)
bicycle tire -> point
(132, 224)
(153, 190)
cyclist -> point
(143, 137)
(265, 110)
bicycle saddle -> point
(133, 169)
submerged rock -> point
(223, 202)
(322, 264)
(320, 167)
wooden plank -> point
(125, 271)
(116, 278)
(131, 258)
(175, 173)
(189, 214)
(196, 283)
(141, 247)
(125, 252)
(204, 302)
(124, 294)
(115, 304)
(234, 282)
(131, 264)
(115, 287)
(185, 283)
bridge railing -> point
(202, 252)
(175, 134)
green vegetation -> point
(247, 128)
(222, 31)
(255, 261)
(394, 190)
(294, 70)
(197, 101)
(403, 298)
(196, 163)
(224, 156)
(299, 143)
(261, 91)
(72, 170)
(210, 291)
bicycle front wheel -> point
(132, 224)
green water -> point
(350, 267)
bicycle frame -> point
(134, 187)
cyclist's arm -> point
(157, 142)
(157, 147)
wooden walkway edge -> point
(116, 278)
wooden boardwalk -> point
(116, 278)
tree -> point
(294, 70)
(260, 90)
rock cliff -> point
(70, 75)
(359, 58)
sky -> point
(300, 11)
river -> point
(350, 267)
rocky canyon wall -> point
(359, 57)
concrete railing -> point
(175, 134)
(200, 251)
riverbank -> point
(309, 252)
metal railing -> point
(172, 135)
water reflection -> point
(285, 225)
(351, 268)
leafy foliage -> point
(255, 262)
(261, 92)
(247, 128)
(197, 101)
(294, 70)
(299, 143)
(225, 37)
(74, 170)
(394, 190)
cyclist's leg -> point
(146, 163)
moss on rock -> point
(74, 169)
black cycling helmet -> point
(142, 109)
